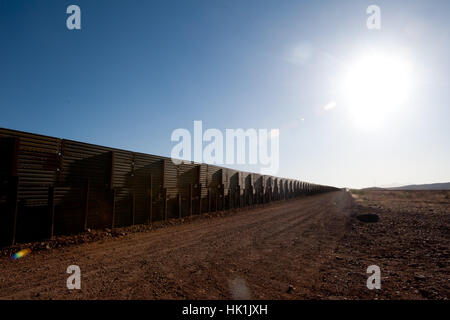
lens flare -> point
(20, 254)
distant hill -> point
(431, 186)
(373, 189)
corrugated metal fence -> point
(51, 186)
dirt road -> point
(254, 253)
(305, 248)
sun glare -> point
(374, 87)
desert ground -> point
(312, 247)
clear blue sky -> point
(137, 70)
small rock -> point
(290, 289)
(419, 277)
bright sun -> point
(374, 86)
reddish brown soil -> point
(410, 243)
(307, 248)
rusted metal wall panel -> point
(244, 176)
(214, 176)
(170, 171)
(202, 179)
(188, 174)
(84, 164)
(148, 172)
(258, 181)
(123, 185)
(37, 166)
(8, 189)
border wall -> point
(51, 186)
